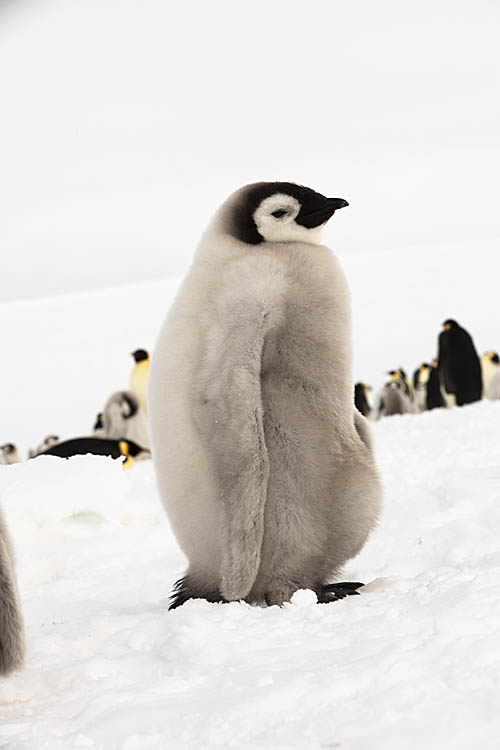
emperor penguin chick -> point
(139, 377)
(392, 399)
(263, 464)
(9, 454)
(490, 368)
(11, 622)
(123, 419)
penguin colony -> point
(457, 376)
(120, 430)
(264, 466)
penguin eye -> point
(279, 213)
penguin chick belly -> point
(183, 471)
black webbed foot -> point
(331, 592)
(184, 589)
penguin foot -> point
(185, 589)
(331, 592)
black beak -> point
(321, 214)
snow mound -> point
(412, 661)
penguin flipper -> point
(231, 419)
(11, 623)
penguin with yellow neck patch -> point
(139, 377)
(459, 365)
(420, 380)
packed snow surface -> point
(412, 662)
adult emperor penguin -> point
(459, 366)
(420, 381)
(435, 398)
(11, 622)
(361, 391)
(263, 464)
(139, 377)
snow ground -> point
(413, 661)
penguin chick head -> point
(140, 355)
(278, 212)
(8, 448)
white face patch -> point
(282, 227)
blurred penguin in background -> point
(123, 419)
(9, 454)
(393, 399)
(399, 376)
(490, 366)
(420, 381)
(139, 377)
(459, 365)
(435, 398)
(98, 428)
(46, 443)
(11, 622)
(361, 391)
(491, 376)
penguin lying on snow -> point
(122, 418)
(98, 447)
(139, 377)
(12, 645)
(263, 463)
(9, 454)
(459, 366)
(361, 391)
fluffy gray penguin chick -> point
(263, 464)
(11, 622)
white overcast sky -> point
(124, 123)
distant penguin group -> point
(264, 466)
(120, 430)
(455, 377)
